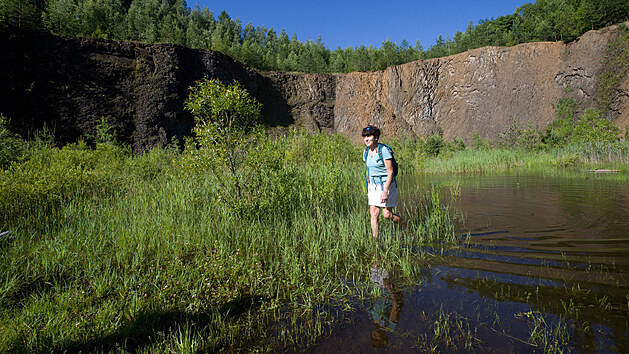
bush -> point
(479, 143)
(52, 177)
(560, 130)
(12, 148)
(516, 137)
(592, 128)
(433, 145)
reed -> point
(112, 251)
(576, 157)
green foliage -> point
(478, 143)
(225, 116)
(433, 144)
(12, 148)
(406, 149)
(91, 18)
(52, 176)
(531, 139)
(172, 21)
(510, 138)
(591, 127)
(559, 131)
(109, 248)
(21, 13)
(570, 127)
(105, 133)
(517, 137)
(615, 68)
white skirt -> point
(374, 193)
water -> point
(545, 268)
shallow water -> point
(545, 267)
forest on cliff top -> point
(172, 21)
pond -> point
(544, 268)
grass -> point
(110, 251)
(114, 252)
(577, 157)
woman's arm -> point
(385, 189)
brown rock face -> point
(483, 90)
(70, 83)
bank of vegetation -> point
(579, 139)
(172, 21)
(237, 242)
(229, 240)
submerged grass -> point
(109, 251)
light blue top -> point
(375, 166)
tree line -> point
(155, 21)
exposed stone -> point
(70, 83)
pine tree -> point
(21, 13)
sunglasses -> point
(368, 131)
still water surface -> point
(546, 255)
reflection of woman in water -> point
(385, 312)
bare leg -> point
(388, 214)
(375, 213)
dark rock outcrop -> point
(70, 83)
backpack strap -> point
(366, 174)
(380, 146)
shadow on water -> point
(545, 268)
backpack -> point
(380, 146)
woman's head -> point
(371, 130)
(371, 135)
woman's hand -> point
(384, 196)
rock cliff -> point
(70, 83)
(483, 90)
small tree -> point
(593, 128)
(224, 117)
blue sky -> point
(347, 23)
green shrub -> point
(432, 145)
(407, 150)
(511, 138)
(479, 143)
(560, 130)
(591, 127)
(12, 148)
(53, 176)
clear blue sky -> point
(347, 23)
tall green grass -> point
(576, 156)
(110, 251)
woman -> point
(382, 186)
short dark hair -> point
(371, 130)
